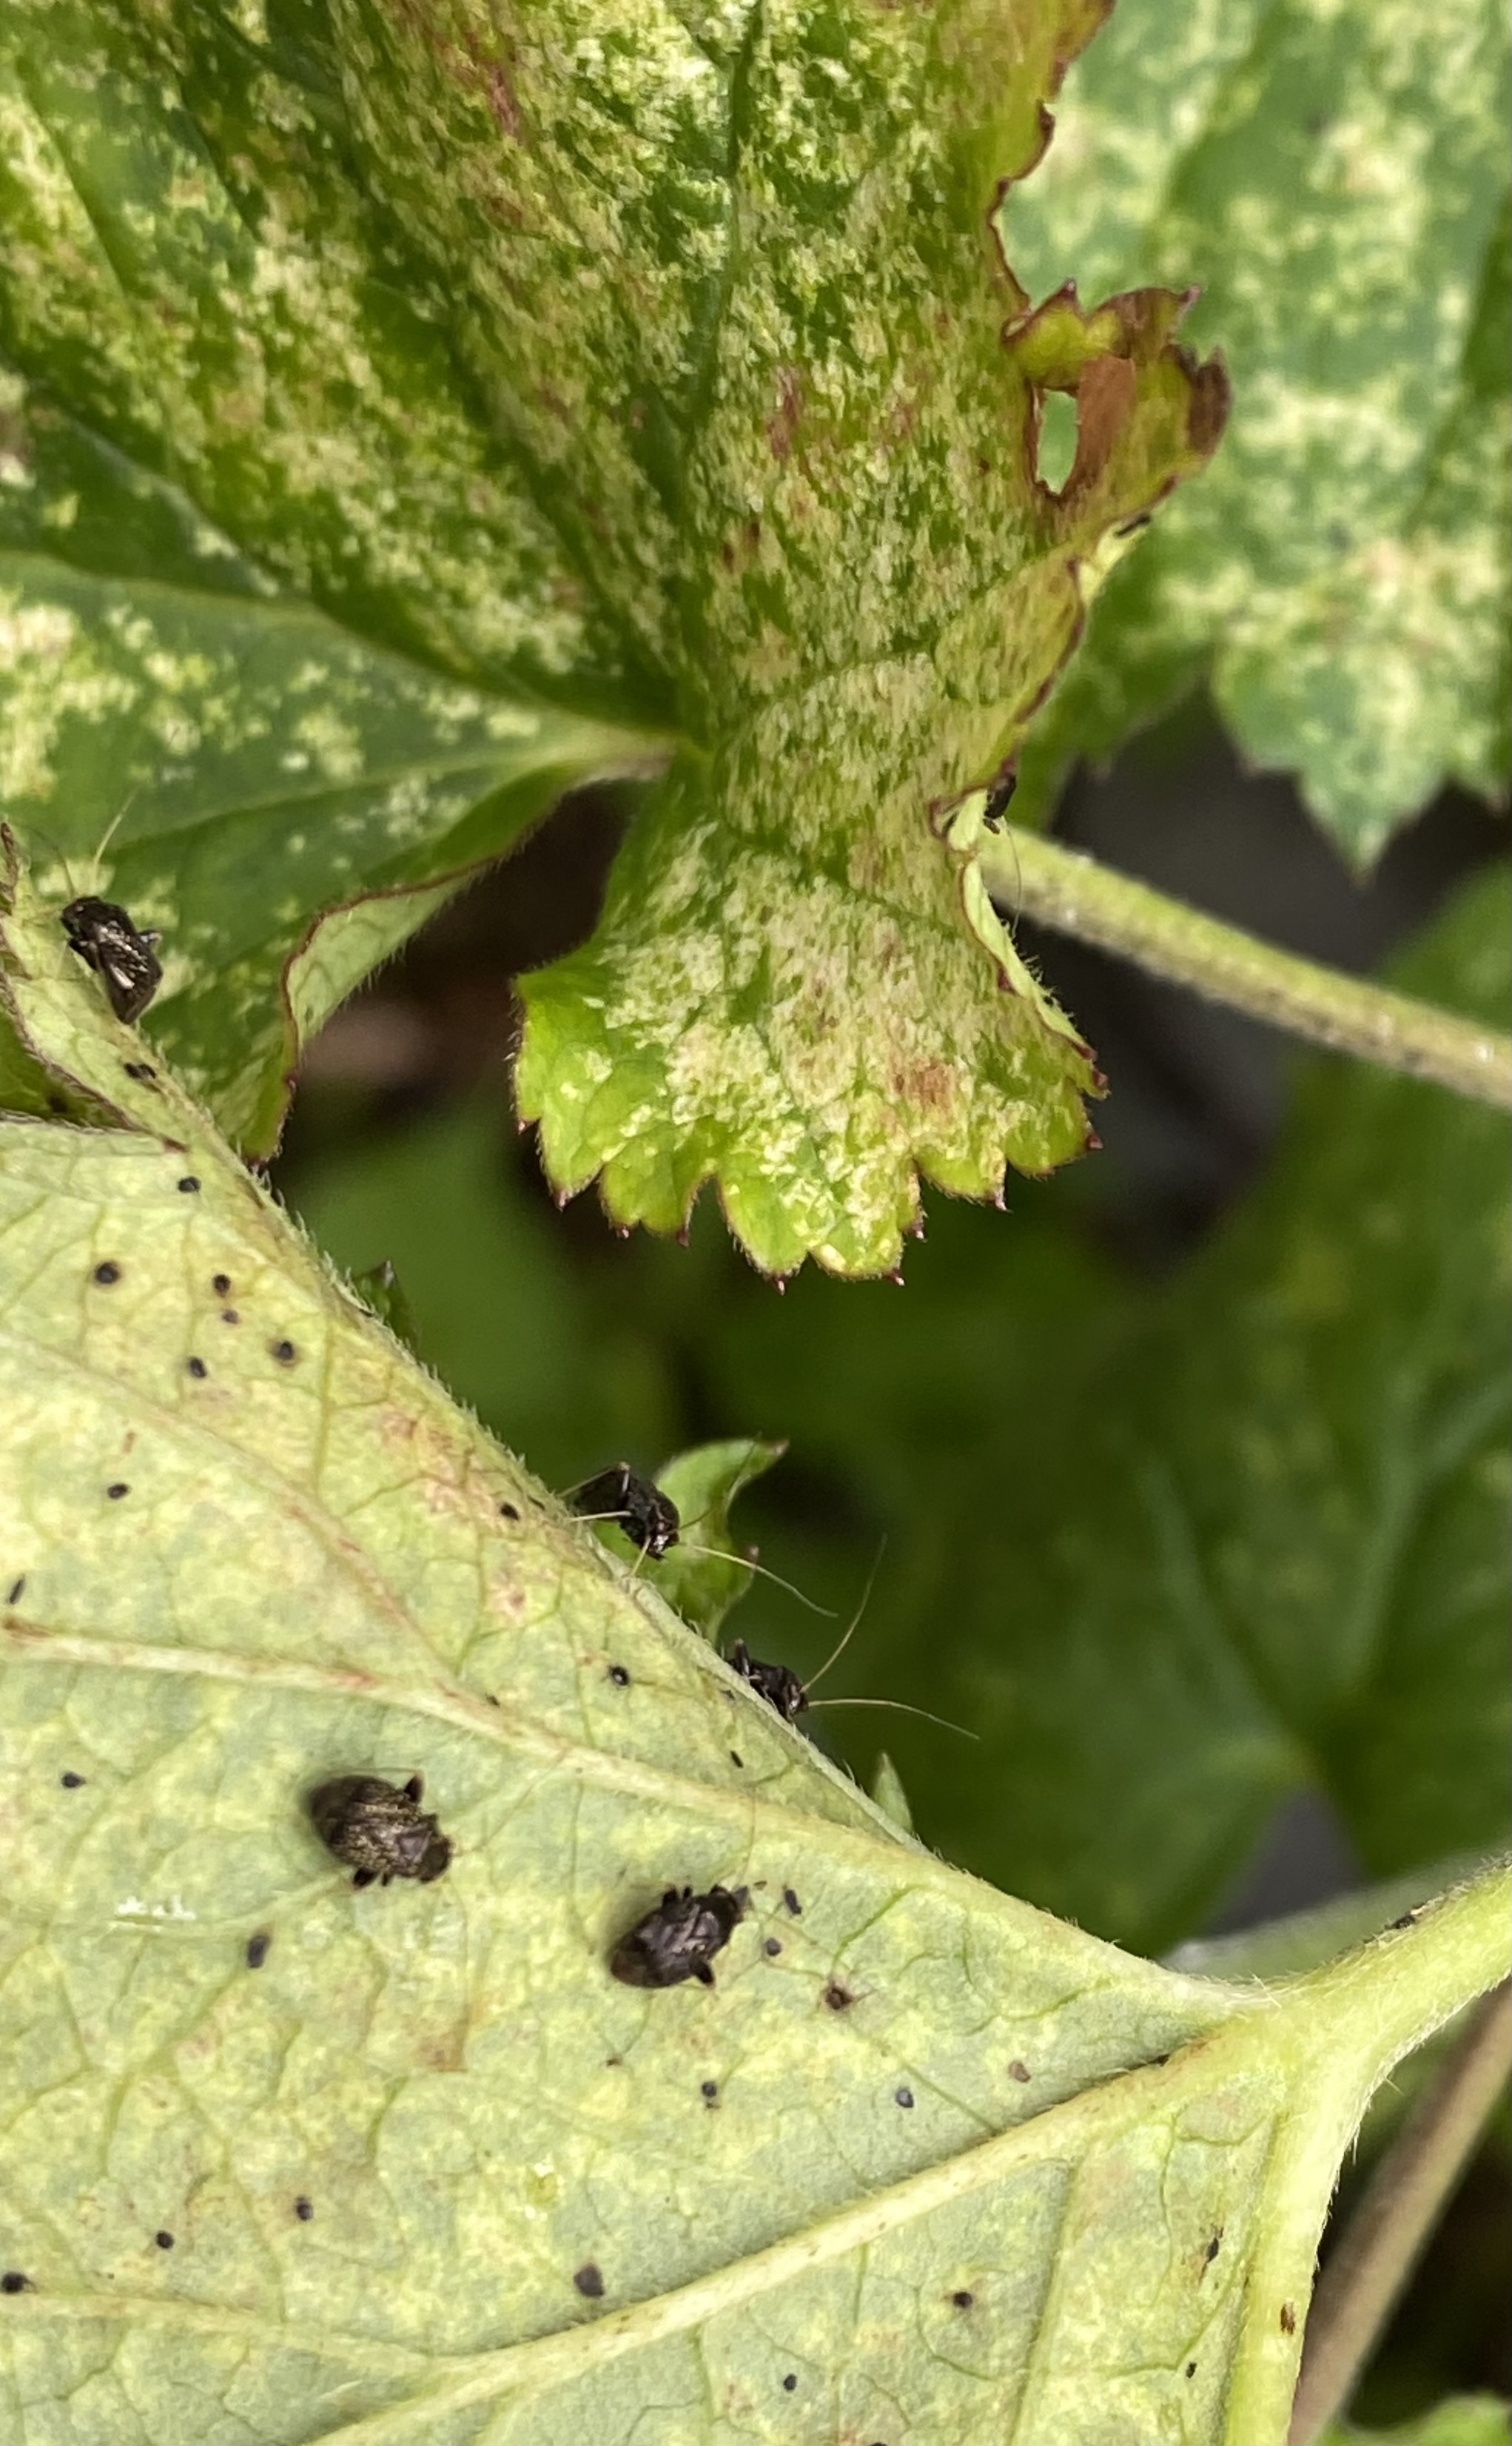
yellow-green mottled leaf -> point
(284, 2162)
(272, 593)
(1336, 178)
(412, 412)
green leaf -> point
(1459, 2420)
(272, 593)
(410, 416)
(381, 1290)
(702, 1483)
(1202, 1550)
(429, 2174)
(1335, 180)
(888, 1791)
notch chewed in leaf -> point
(799, 988)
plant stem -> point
(1073, 894)
(1410, 2186)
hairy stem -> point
(1073, 894)
(1410, 2186)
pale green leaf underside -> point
(315, 1566)
(1335, 180)
(411, 420)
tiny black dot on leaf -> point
(1211, 2252)
(1288, 2320)
(619, 1677)
(709, 2089)
(735, 1758)
(589, 2282)
(792, 1901)
(196, 1367)
(116, 1491)
(1018, 2071)
(304, 2210)
(790, 2381)
(17, 1590)
(106, 1272)
(838, 1999)
(903, 2097)
(188, 1184)
(257, 1945)
(221, 1284)
(14, 2281)
(963, 2300)
(71, 1782)
(284, 1352)
(163, 2239)
(229, 1316)
(771, 1947)
(139, 1070)
(507, 1512)
(1191, 2369)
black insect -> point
(378, 1829)
(998, 800)
(783, 1689)
(679, 1938)
(120, 954)
(649, 1518)
(777, 1683)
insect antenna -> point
(851, 1628)
(97, 854)
(901, 1707)
(113, 827)
(722, 1555)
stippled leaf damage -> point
(1336, 179)
(410, 413)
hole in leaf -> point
(1056, 448)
